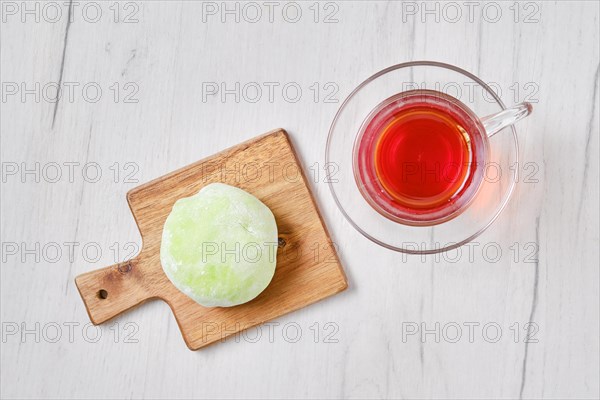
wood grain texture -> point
(267, 168)
(552, 59)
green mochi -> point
(219, 246)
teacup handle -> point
(496, 122)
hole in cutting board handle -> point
(102, 294)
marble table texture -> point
(150, 86)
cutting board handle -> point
(107, 292)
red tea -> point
(422, 157)
(419, 157)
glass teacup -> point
(378, 141)
(420, 156)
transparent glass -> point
(355, 189)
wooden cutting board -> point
(308, 268)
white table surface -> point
(352, 344)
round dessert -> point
(219, 246)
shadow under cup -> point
(419, 157)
